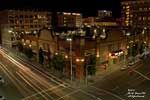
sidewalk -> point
(106, 72)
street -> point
(27, 83)
(120, 83)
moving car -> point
(1, 79)
(2, 98)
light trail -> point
(41, 92)
(15, 81)
(35, 88)
(52, 78)
(38, 81)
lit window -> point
(140, 9)
(127, 13)
(145, 8)
(130, 22)
(127, 21)
(139, 18)
(144, 18)
(127, 7)
(131, 15)
(124, 7)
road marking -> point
(141, 75)
(108, 93)
(52, 78)
(46, 90)
(90, 94)
(29, 83)
(67, 94)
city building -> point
(136, 13)
(16, 22)
(65, 19)
(104, 22)
(46, 40)
(89, 19)
(104, 13)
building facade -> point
(104, 13)
(136, 13)
(65, 19)
(17, 22)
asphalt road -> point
(26, 83)
(131, 84)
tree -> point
(49, 56)
(135, 49)
(88, 32)
(41, 56)
(58, 62)
(20, 47)
(141, 50)
(91, 65)
(28, 52)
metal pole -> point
(86, 74)
(71, 58)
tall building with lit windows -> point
(65, 19)
(136, 13)
(13, 23)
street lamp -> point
(70, 40)
(127, 47)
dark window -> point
(11, 21)
(22, 26)
(26, 16)
(31, 26)
(35, 26)
(21, 16)
(21, 21)
(31, 21)
(31, 16)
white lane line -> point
(32, 86)
(52, 76)
(14, 80)
(141, 75)
(90, 94)
(108, 93)
(43, 91)
(67, 94)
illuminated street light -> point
(30, 45)
(56, 53)
(66, 56)
(9, 31)
(70, 40)
(82, 60)
(77, 60)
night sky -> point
(87, 7)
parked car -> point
(124, 68)
(2, 98)
(1, 79)
(131, 63)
